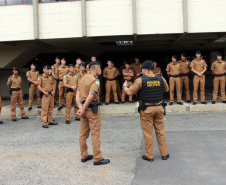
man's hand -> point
(200, 74)
(46, 94)
(80, 112)
(52, 93)
(125, 84)
(35, 82)
(74, 88)
(138, 74)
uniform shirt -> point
(184, 66)
(70, 79)
(137, 85)
(61, 71)
(89, 83)
(80, 76)
(126, 77)
(137, 68)
(218, 67)
(198, 65)
(15, 81)
(54, 68)
(173, 68)
(110, 73)
(33, 75)
(46, 82)
(156, 70)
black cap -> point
(49, 67)
(148, 65)
(15, 68)
(83, 64)
(184, 54)
(127, 62)
(94, 63)
(174, 56)
(57, 57)
(198, 52)
(45, 67)
(64, 59)
(219, 54)
(71, 65)
(93, 56)
(33, 64)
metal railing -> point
(14, 2)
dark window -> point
(15, 2)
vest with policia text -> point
(152, 90)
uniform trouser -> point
(56, 90)
(185, 82)
(32, 90)
(70, 97)
(61, 93)
(108, 86)
(124, 93)
(119, 92)
(199, 79)
(17, 96)
(153, 117)
(172, 82)
(90, 122)
(219, 80)
(47, 109)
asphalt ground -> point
(30, 154)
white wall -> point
(159, 16)
(206, 16)
(60, 20)
(16, 22)
(109, 17)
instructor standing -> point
(151, 89)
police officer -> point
(137, 68)
(77, 65)
(110, 74)
(32, 77)
(82, 73)
(156, 70)
(173, 70)
(93, 59)
(198, 67)
(61, 72)
(70, 85)
(219, 68)
(45, 85)
(88, 103)
(1, 122)
(55, 77)
(14, 83)
(127, 76)
(184, 69)
(151, 89)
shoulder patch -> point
(27, 73)
(38, 78)
(97, 82)
(64, 76)
(8, 79)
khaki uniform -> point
(87, 68)
(77, 69)
(54, 69)
(152, 117)
(174, 70)
(46, 83)
(15, 83)
(61, 72)
(111, 84)
(198, 65)
(90, 122)
(219, 68)
(157, 70)
(184, 69)
(129, 80)
(70, 79)
(33, 88)
(137, 68)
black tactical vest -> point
(152, 90)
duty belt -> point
(111, 79)
(175, 76)
(128, 80)
(218, 74)
(14, 89)
(185, 74)
(61, 80)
